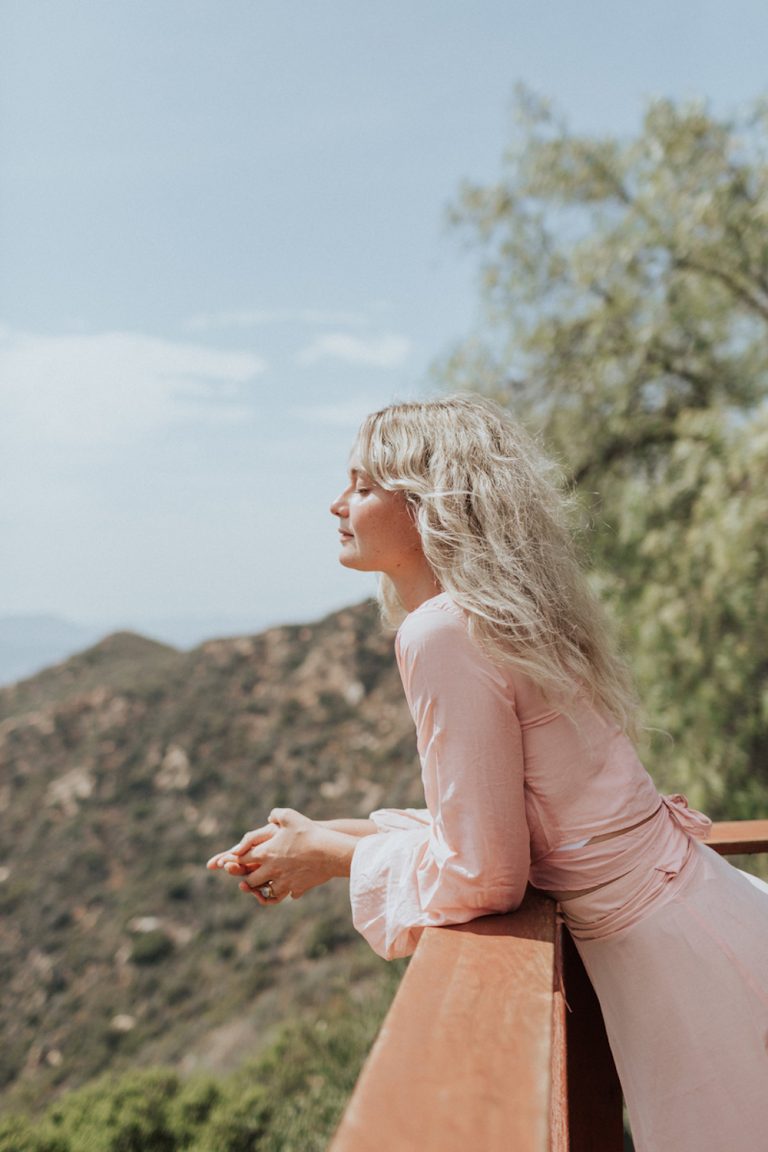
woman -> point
(522, 711)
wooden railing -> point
(479, 1051)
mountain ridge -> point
(31, 642)
(122, 770)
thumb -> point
(281, 816)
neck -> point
(416, 586)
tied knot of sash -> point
(695, 823)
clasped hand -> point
(290, 853)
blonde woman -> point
(523, 713)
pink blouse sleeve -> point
(400, 819)
(468, 855)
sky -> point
(224, 239)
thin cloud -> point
(384, 352)
(111, 386)
(267, 317)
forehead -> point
(354, 464)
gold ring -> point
(267, 890)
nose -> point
(339, 506)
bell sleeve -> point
(467, 854)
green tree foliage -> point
(626, 290)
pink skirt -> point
(683, 985)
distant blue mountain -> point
(31, 643)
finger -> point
(257, 896)
(222, 858)
(219, 860)
(245, 865)
(252, 839)
(253, 857)
(276, 898)
(255, 882)
(259, 875)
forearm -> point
(349, 827)
(336, 849)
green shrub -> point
(288, 1100)
(151, 947)
(17, 1134)
(132, 1113)
(239, 1122)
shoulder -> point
(436, 637)
(437, 654)
(436, 623)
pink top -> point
(513, 789)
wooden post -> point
(595, 1121)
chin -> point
(356, 563)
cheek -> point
(402, 532)
(409, 531)
(386, 528)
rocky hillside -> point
(121, 771)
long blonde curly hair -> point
(494, 521)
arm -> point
(350, 827)
(472, 858)
(382, 820)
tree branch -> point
(686, 264)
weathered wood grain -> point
(464, 1058)
(736, 836)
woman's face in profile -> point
(376, 528)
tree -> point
(626, 292)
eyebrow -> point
(356, 474)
